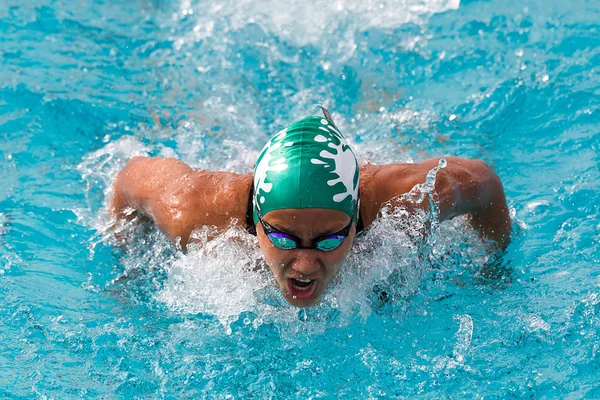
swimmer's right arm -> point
(180, 199)
(143, 186)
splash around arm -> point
(177, 198)
(461, 187)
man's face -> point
(304, 274)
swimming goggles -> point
(285, 241)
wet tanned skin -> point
(305, 224)
(180, 199)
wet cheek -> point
(338, 256)
(275, 259)
(334, 262)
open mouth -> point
(302, 288)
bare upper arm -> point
(178, 198)
(463, 186)
(145, 178)
(388, 182)
(143, 185)
(382, 183)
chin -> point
(302, 303)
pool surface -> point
(84, 87)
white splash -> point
(218, 276)
(333, 29)
(463, 337)
(3, 224)
(226, 283)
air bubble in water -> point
(302, 316)
(4, 224)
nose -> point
(306, 263)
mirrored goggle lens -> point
(330, 243)
(282, 241)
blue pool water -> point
(84, 87)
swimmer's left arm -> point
(463, 187)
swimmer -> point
(305, 202)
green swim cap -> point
(307, 165)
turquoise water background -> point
(83, 87)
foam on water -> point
(224, 277)
(309, 23)
(512, 82)
(4, 224)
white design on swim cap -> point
(281, 133)
(267, 164)
(331, 129)
(317, 161)
(345, 165)
(320, 138)
(336, 132)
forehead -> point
(307, 220)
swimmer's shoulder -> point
(222, 193)
(181, 199)
(208, 198)
(381, 183)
